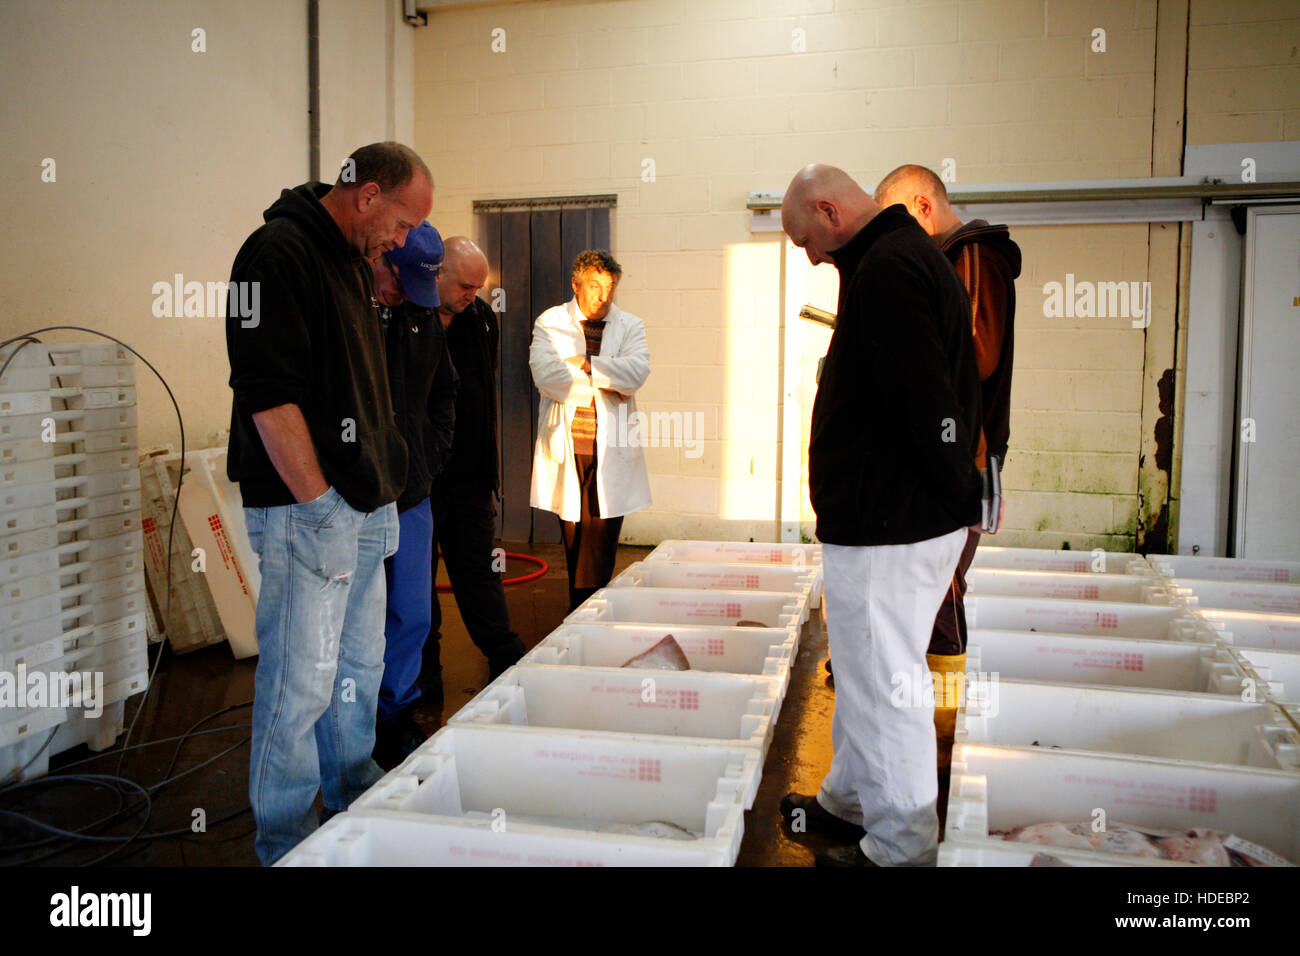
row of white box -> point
(573, 744)
(1168, 565)
(1130, 730)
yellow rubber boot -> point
(948, 674)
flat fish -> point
(1200, 846)
(1080, 836)
(659, 829)
(1197, 846)
(750, 624)
(665, 656)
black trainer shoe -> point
(842, 856)
(797, 807)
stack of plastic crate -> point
(214, 573)
(73, 623)
(570, 758)
(190, 619)
(1100, 695)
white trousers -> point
(880, 608)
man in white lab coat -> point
(588, 358)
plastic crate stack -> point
(218, 602)
(73, 619)
(1106, 692)
(571, 759)
(194, 621)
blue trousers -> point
(320, 615)
(410, 587)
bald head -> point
(464, 271)
(823, 209)
(924, 195)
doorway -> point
(530, 245)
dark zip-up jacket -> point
(423, 385)
(988, 262)
(896, 421)
(473, 339)
(314, 342)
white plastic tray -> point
(1104, 618)
(1225, 569)
(1043, 559)
(723, 708)
(1114, 661)
(1209, 728)
(763, 651)
(573, 784)
(1271, 631)
(411, 839)
(805, 582)
(1124, 588)
(680, 606)
(998, 788)
(1242, 595)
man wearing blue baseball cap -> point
(422, 382)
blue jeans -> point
(320, 634)
(410, 600)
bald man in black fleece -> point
(892, 478)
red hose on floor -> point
(542, 568)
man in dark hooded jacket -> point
(320, 461)
(987, 262)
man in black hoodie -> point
(319, 461)
(892, 479)
(987, 262)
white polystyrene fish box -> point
(1115, 661)
(762, 651)
(995, 789)
(1225, 569)
(1044, 559)
(1210, 728)
(1242, 595)
(582, 785)
(1107, 618)
(1129, 589)
(722, 708)
(1278, 667)
(738, 552)
(646, 605)
(410, 839)
(1276, 631)
(804, 582)
(990, 853)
